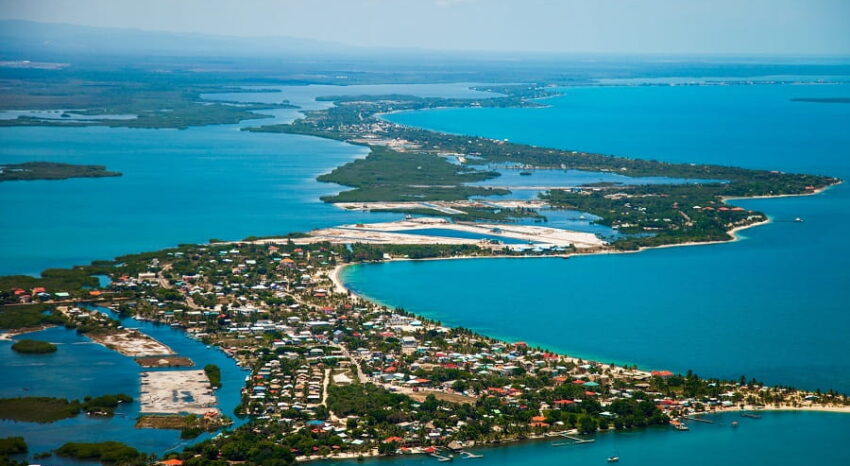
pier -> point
(697, 419)
(751, 415)
(575, 440)
(441, 457)
(470, 455)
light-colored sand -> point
(443, 206)
(9, 334)
(131, 343)
(403, 232)
(175, 392)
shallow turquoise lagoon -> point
(179, 186)
(80, 368)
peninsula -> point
(334, 375)
(408, 169)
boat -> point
(613, 459)
(734, 423)
(798, 220)
(681, 427)
(525, 173)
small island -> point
(28, 171)
(45, 410)
(34, 347)
(105, 452)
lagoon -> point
(80, 368)
(178, 186)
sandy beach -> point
(9, 334)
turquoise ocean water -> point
(178, 186)
(772, 306)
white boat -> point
(613, 459)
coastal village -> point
(335, 375)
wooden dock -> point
(698, 419)
(751, 415)
(575, 440)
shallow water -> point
(81, 368)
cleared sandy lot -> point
(175, 392)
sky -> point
(772, 27)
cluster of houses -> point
(272, 309)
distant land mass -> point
(51, 171)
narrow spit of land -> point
(408, 170)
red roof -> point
(563, 402)
(662, 373)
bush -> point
(103, 451)
(34, 347)
(12, 445)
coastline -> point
(340, 287)
(336, 276)
(9, 334)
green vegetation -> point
(158, 100)
(34, 347)
(34, 315)
(104, 405)
(257, 445)
(37, 409)
(190, 426)
(107, 452)
(12, 446)
(376, 403)
(51, 280)
(386, 175)
(660, 214)
(51, 171)
(360, 252)
(45, 409)
(214, 374)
